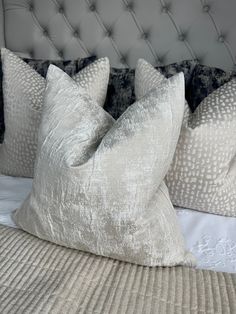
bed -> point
(39, 277)
(214, 251)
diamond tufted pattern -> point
(160, 31)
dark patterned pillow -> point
(121, 85)
(187, 67)
(205, 80)
(120, 93)
(41, 66)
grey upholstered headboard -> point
(161, 31)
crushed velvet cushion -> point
(121, 95)
(41, 66)
(204, 81)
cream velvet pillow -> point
(23, 91)
(98, 183)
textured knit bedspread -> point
(40, 277)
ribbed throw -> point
(40, 277)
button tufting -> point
(76, 33)
(165, 9)
(109, 32)
(60, 53)
(61, 10)
(199, 60)
(31, 53)
(182, 37)
(217, 31)
(162, 59)
(45, 32)
(31, 7)
(92, 7)
(123, 59)
(206, 8)
(93, 53)
(130, 6)
(145, 35)
(221, 39)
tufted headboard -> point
(161, 31)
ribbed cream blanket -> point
(40, 277)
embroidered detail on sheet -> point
(215, 253)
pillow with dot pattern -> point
(23, 92)
(71, 67)
(203, 172)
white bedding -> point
(12, 193)
(211, 238)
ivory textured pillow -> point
(98, 183)
(23, 91)
(203, 172)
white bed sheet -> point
(12, 193)
(211, 238)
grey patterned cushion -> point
(121, 95)
(41, 66)
(204, 81)
(23, 90)
(95, 188)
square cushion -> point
(203, 173)
(96, 188)
(23, 90)
(41, 66)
